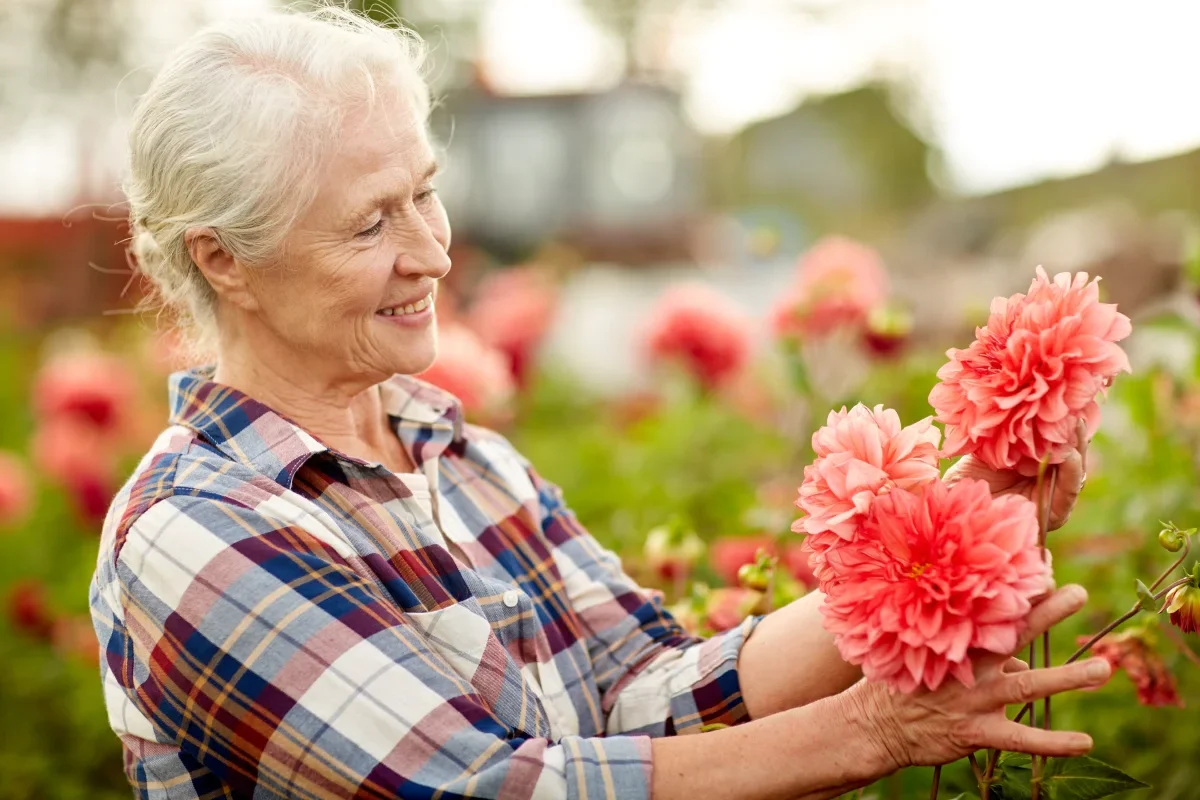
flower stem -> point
(978, 772)
(937, 779)
(1130, 614)
(993, 757)
(1107, 629)
(1045, 501)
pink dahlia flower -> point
(1014, 396)
(476, 374)
(861, 454)
(839, 283)
(703, 331)
(932, 575)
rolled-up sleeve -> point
(278, 670)
(653, 676)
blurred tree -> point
(449, 28)
(63, 51)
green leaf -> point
(1016, 772)
(1085, 778)
(1146, 598)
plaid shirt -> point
(277, 619)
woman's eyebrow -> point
(364, 208)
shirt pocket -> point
(462, 635)
(516, 623)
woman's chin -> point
(414, 363)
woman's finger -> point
(1013, 737)
(1067, 486)
(1054, 609)
(1034, 684)
(1012, 666)
(1082, 442)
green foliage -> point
(1146, 597)
(1079, 778)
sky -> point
(1013, 91)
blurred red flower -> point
(729, 605)
(1133, 652)
(79, 457)
(729, 554)
(672, 551)
(475, 373)
(838, 283)
(513, 310)
(703, 331)
(97, 388)
(16, 495)
(28, 609)
(1013, 397)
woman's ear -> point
(223, 272)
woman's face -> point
(353, 296)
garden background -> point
(599, 155)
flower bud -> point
(671, 551)
(887, 330)
(757, 575)
(751, 576)
(1171, 540)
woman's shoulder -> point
(180, 464)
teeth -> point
(412, 308)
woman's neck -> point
(346, 416)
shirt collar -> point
(426, 418)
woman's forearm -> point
(790, 660)
(819, 751)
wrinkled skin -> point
(928, 728)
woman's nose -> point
(423, 255)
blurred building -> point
(845, 162)
(61, 268)
(616, 173)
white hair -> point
(232, 132)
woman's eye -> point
(424, 195)
(373, 230)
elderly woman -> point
(320, 582)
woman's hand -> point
(1072, 474)
(930, 728)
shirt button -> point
(511, 599)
